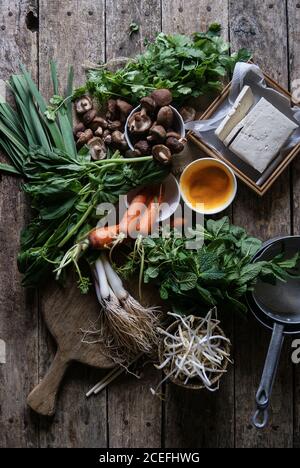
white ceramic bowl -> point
(178, 125)
(220, 208)
(171, 197)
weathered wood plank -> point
(120, 15)
(71, 33)
(294, 64)
(134, 415)
(261, 26)
(18, 310)
(204, 420)
(188, 16)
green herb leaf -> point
(133, 28)
(188, 66)
(187, 281)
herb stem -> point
(77, 226)
(123, 160)
(63, 103)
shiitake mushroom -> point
(162, 97)
(83, 105)
(140, 122)
(165, 117)
(187, 113)
(84, 138)
(79, 128)
(176, 146)
(98, 149)
(162, 154)
(143, 147)
(89, 116)
(158, 133)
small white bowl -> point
(171, 197)
(177, 127)
(230, 173)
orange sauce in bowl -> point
(207, 182)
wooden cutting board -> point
(66, 311)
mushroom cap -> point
(107, 139)
(89, 117)
(79, 128)
(133, 154)
(172, 133)
(165, 117)
(162, 97)
(115, 125)
(188, 113)
(176, 146)
(83, 104)
(99, 132)
(98, 122)
(162, 154)
(97, 149)
(118, 140)
(143, 147)
(124, 107)
(112, 109)
(84, 138)
(148, 103)
(139, 122)
(158, 132)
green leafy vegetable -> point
(64, 185)
(219, 273)
(188, 66)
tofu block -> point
(262, 134)
(241, 107)
(249, 120)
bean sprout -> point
(192, 353)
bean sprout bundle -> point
(194, 350)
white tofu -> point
(264, 132)
(241, 107)
(249, 119)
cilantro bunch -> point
(188, 66)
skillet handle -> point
(260, 418)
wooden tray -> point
(208, 150)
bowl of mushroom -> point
(155, 127)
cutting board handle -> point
(42, 399)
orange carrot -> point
(133, 212)
(136, 218)
(101, 237)
(150, 216)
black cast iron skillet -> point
(277, 307)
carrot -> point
(150, 216)
(99, 238)
(133, 212)
(135, 218)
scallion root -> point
(126, 328)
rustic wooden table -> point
(73, 31)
